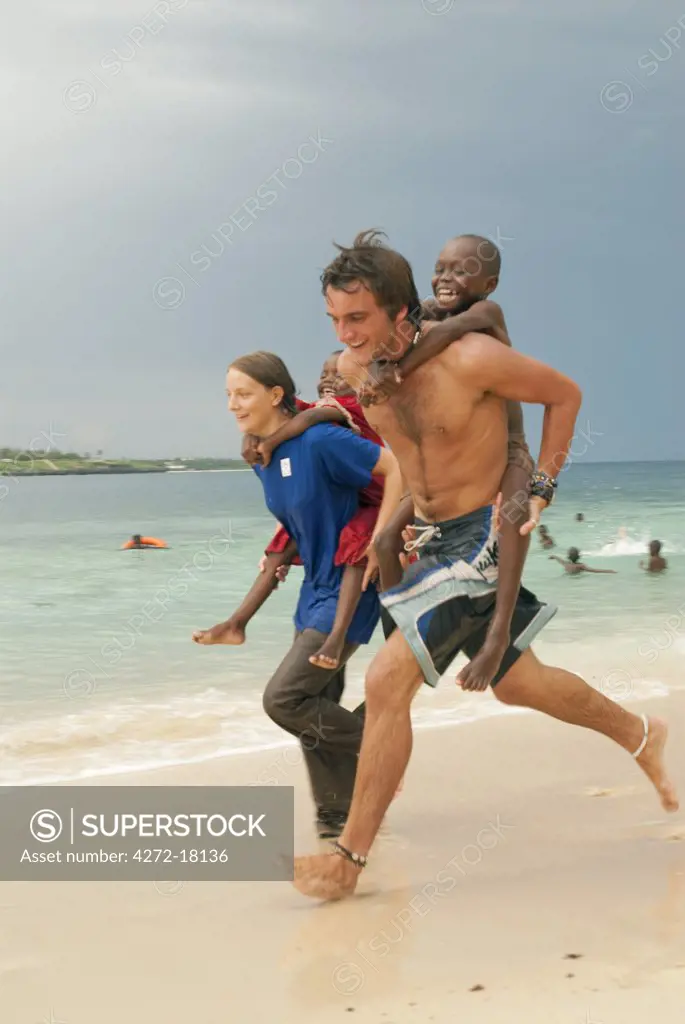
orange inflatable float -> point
(143, 542)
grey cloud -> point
(486, 116)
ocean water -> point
(98, 672)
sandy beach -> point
(527, 871)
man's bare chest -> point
(425, 409)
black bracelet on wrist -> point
(356, 858)
(542, 485)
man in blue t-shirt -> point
(311, 486)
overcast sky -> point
(135, 134)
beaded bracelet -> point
(543, 486)
(356, 858)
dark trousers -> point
(305, 701)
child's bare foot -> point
(224, 633)
(330, 654)
(651, 760)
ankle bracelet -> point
(356, 858)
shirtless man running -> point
(447, 427)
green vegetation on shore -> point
(14, 462)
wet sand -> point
(526, 872)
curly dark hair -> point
(386, 274)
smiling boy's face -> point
(330, 382)
(463, 273)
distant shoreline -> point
(14, 465)
(115, 471)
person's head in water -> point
(137, 540)
(545, 538)
(466, 270)
(261, 393)
(655, 548)
(371, 298)
(330, 381)
(573, 555)
(579, 517)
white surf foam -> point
(625, 544)
(138, 737)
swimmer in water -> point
(656, 562)
(140, 543)
(546, 539)
(573, 566)
(580, 518)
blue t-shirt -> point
(311, 486)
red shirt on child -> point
(356, 535)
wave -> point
(131, 735)
(623, 544)
(137, 736)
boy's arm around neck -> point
(481, 318)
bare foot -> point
(328, 656)
(325, 876)
(651, 760)
(224, 633)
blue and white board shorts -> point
(446, 599)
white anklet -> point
(644, 738)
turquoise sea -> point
(98, 672)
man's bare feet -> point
(328, 656)
(224, 633)
(325, 876)
(651, 760)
